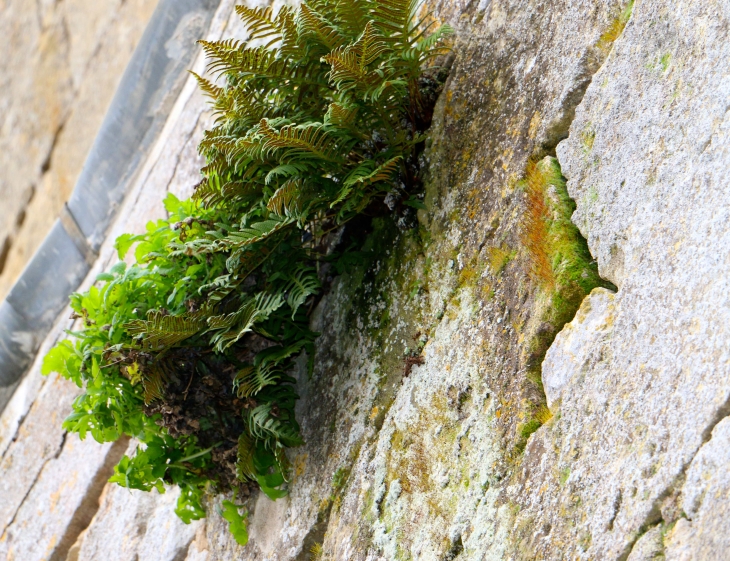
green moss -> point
(564, 475)
(588, 138)
(562, 264)
(665, 61)
(615, 29)
(499, 257)
(530, 427)
(340, 478)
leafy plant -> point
(321, 114)
(236, 521)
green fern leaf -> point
(303, 283)
(227, 329)
(311, 23)
(364, 175)
(341, 115)
(282, 201)
(396, 16)
(258, 21)
(255, 232)
(245, 468)
(291, 142)
(161, 331)
(263, 426)
(350, 64)
(207, 86)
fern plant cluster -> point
(319, 115)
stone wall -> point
(613, 447)
(61, 63)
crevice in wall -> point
(315, 536)
(90, 503)
(46, 165)
(56, 454)
(590, 63)
(4, 250)
(560, 262)
(543, 185)
(659, 512)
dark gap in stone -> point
(4, 251)
(89, 506)
(46, 165)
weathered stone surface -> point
(61, 64)
(440, 460)
(646, 161)
(702, 532)
(136, 525)
(61, 501)
(571, 351)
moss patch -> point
(615, 29)
(559, 261)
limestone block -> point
(646, 162)
(37, 441)
(62, 66)
(61, 501)
(702, 533)
(133, 524)
(570, 354)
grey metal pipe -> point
(148, 89)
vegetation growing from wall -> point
(559, 259)
(320, 118)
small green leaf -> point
(413, 202)
(123, 243)
(236, 521)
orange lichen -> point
(534, 234)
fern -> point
(317, 114)
(161, 331)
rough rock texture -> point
(135, 526)
(61, 63)
(646, 161)
(702, 532)
(616, 446)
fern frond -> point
(340, 115)
(262, 425)
(396, 16)
(245, 468)
(207, 86)
(311, 23)
(303, 283)
(350, 64)
(298, 142)
(154, 380)
(261, 24)
(258, 21)
(364, 175)
(350, 16)
(162, 331)
(255, 232)
(224, 55)
(281, 202)
(229, 328)
(268, 369)
(251, 380)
